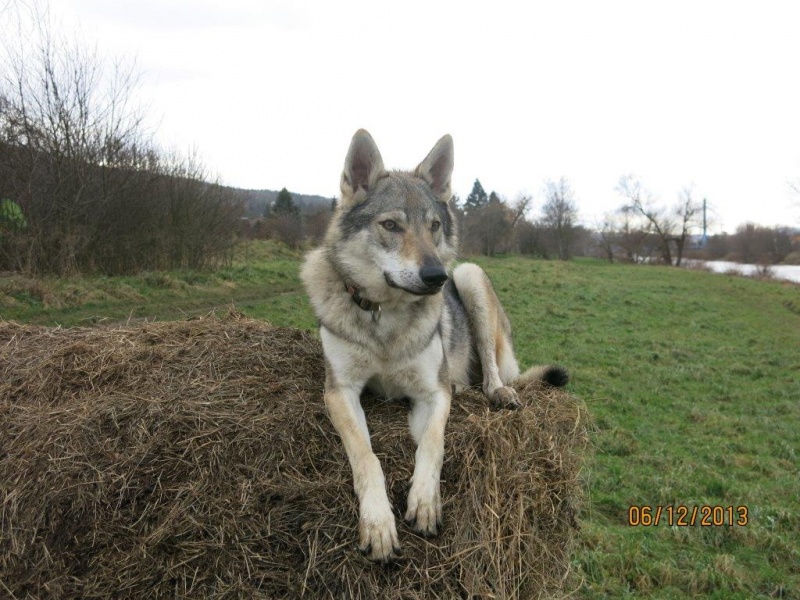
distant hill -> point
(256, 200)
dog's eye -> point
(389, 225)
(435, 226)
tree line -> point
(83, 188)
(290, 222)
(641, 229)
(488, 223)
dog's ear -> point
(362, 168)
(437, 168)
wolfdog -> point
(392, 319)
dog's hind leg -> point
(491, 332)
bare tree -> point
(611, 238)
(521, 206)
(621, 236)
(634, 238)
(656, 219)
(794, 186)
(670, 227)
(607, 238)
(560, 213)
(687, 212)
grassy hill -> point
(692, 378)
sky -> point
(702, 94)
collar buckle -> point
(364, 304)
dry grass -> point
(195, 459)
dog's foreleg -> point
(376, 526)
(428, 385)
(427, 422)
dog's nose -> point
(433, 276)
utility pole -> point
(704, 241)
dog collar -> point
(363, 303)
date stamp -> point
(681, 515)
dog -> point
(393, 319)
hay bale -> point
(195, 459)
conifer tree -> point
(477, 198)
(284, 204)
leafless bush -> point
(316, 224)
(763, 272)
(286, 228)
(79, 162)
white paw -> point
(376, 529)
(505, 397)
(424, 512)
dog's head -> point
(395, 232)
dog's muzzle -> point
(432, 279)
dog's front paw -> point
(378, 539)
(505, 397)
(424, 512)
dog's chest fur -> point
(403, 344)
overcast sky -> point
(702, 93)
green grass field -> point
(692, 379)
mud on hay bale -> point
(195, 460)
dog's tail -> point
(554, 375)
